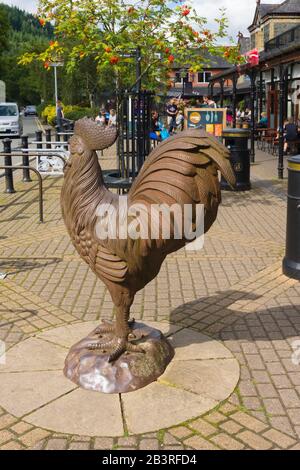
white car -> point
(11, 124)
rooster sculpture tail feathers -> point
(186, 164)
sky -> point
(239, 12)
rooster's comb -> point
(95, 136)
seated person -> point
(112, 118)
(229, 117)
(247, 115)
(290, 133)
(155, 133)
(263, 123)
(101, 118)
(158, 131)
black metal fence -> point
(134, 123)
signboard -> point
(212, 120)
(56, 64)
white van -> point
(11, 124)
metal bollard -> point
(9, 182)
(26, 172)
(291, 262)
(39, 138)
(48, 138)
(236, 140)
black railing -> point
(284, 39)
(134, 132)
(10, 168)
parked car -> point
(30, 111)
(11, 124)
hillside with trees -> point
(21, 33)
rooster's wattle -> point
(181, 170)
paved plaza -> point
(232, 295)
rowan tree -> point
(106, 31)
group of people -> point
(175, 115)
(175, 112)
(244, 115)
(175, 120)
(105, 118)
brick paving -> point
(233, 290)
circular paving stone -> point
(33, 387)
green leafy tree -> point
(4, 31)
(106, 31)
(21, 33)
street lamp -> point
(55, 65)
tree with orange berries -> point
(106, 31)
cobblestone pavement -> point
(233, 290)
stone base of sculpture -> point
(91, 370)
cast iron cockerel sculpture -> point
(181, 170)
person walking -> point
(172, 110)
(59, 115)
(101, 118)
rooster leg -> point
(108, 327)
(120, 343)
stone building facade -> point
(271, 20)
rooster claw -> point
(118, 346)
(106, 327)
(124, 346)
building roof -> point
(210, 62)
(288, 7)
(274, 55)
(216, 62)
(267, 8)
(262, 10)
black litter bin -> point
(291, 262)
(236, 140)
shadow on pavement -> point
(23, 265)
(275, 323)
